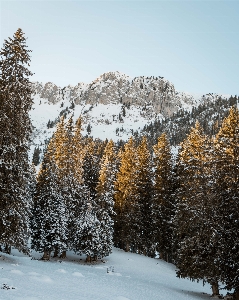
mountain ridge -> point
(113, 106)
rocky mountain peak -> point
(154, 94)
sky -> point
(194, 44)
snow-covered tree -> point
(49, 222)
(142, 217)
(89, 243)
(226, 191)
(196, 257)
(163, 208)
(126, 233)
(15, 124)
(105, 199)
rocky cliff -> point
(154, 94)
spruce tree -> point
(15, 124)
(68, 159)
(78, 207)
(226, 191)
(163, 208)
(142, 217)
(126, 233)
(105, 199)
(49, 222)
(91, 166)
(196, 254)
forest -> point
(90, 194)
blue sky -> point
(194, 44)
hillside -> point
(115, 106)
(131, 277)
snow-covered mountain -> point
(112, 106)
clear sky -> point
(194, 44)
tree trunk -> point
(7, 249)
(161, 256)
(46, 255)
(63, 254)
(55, 253)
(236, 294)
(88, 258)
(215, 289)
(127, 247)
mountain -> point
(113, 106)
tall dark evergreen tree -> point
(226, 191)
(194, 221)
(105, 199)
(142, 216)
(15, 124)
(163, 208)
(49, 222)
(126, 233)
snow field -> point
(121, 276)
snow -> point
(103, 118)
(121, 276)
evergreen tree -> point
(126, 233)
(226, 191)
(105, 199)
(78, 207)
(15, 103)
(143, 200)
(49, 222)
(36, 156)
(163, 198)
(68, 158)
(91, 164)
(90, 229)
(194, 217)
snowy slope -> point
(130, 277)
(103, 119)
(114, 105)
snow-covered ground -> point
(130, 277)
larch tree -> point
(163, 208)
(15, 124)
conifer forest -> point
(90, 195)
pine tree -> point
(15, 124)
(90, 229)
(105, 199)
(143, 200)
(91, 164)
(36, 156)
(163, 198)
(68, 158)
(125, 231)
(226, 191)
(78, 207)
(49, 222)
(196, 255)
